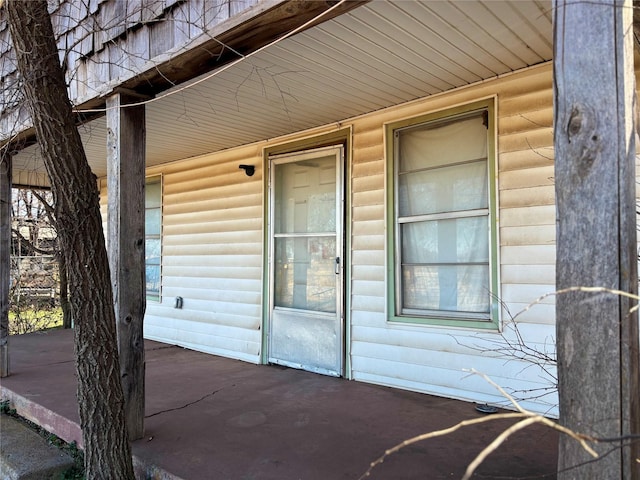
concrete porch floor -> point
(209, 417)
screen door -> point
(306, 314)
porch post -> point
(5, 258)
(125, 233)
(597, 334)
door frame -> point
(341, 137)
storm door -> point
(306, 314)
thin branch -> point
(437, 433)
(527, 418)
(489, 449)
(30, 244)
(581, 289)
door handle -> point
(337, 265)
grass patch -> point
(30, 320)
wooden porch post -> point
(125, 232)
(597, 336)
(5, 258)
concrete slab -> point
(209, 417)
(25, 455)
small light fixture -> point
(248, 169)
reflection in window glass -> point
(305, 200)
(153, 237)
(305, 273)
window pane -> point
(443, 222)
(152, 276)
(305, 273)
(462, 240)
(445, 189)
(305, 199)
(442, 144)
(462, 288)
(152, 251)
(153, 194)
(152, 221)
(153, 231)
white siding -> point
(212, 254)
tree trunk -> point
(5, 258)
(67, 319)
(100, 397)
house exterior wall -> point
(432, 359)
(214, 242)
(212, 256)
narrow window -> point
(443, 232)
(153, 237)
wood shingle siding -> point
(149, 46)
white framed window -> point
(442, 260)
(153, 237)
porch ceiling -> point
(377, 55)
